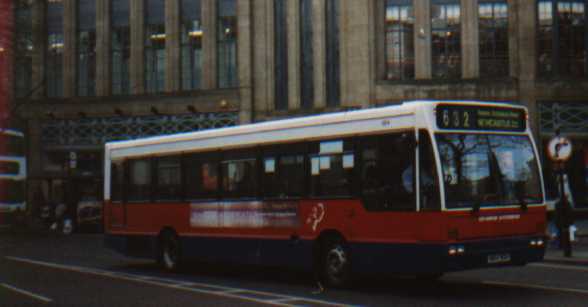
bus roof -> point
(287, 130)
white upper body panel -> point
(409, 115)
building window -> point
(191, 44)
(54, 65)
(399, 40)
(86, 40)
(120, 47)
(493, 38)
(562, 38)
(306, 55)
(23, 49)
(333, 70)
(155, 46)
(227, 43)
(281, 54)
(446, 38)
(545, 38)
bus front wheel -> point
(170, 251)
(336, 264)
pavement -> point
(554, 254)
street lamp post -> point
(563, 212)
(560, 151)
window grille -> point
(571, 117)
(97, 131)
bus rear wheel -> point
(336, 264)
(170, 251)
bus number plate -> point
(498, 258)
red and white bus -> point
(12, 178)
(421, 188)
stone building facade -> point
(100, 70)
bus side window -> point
(201, 177)
(271, 185)
(240, 176)
(283, 171)
(387, 180)
(169, 179)
(332, 169)
(292, 175)
(139, 189)
(117, 181)
(429, 183)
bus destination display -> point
(457, 117)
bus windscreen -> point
(488, 170)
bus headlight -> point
(455, 250)
(537, 243)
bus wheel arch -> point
(169, 249)
(332, 259)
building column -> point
(513, 42)
(34, 143)
(34, 156)
(172, 46)
(470, 49)
(103, 54)
(137, 58)
(70, 49)
(244, 60)
(355, 53)
(527, 53)
(293, 26)
(319, 50)
(263, 56)
(209, 27)
(39, 48)
(422, 45)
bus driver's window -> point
(429, 183)
(388, 182)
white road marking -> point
(185, 284)
(222, 291)
(535, 287)
(561, 266)
(282, 300)
(233, 291)
(27, 293)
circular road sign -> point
(559, 149)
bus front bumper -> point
(429, 258)
(496, 252)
